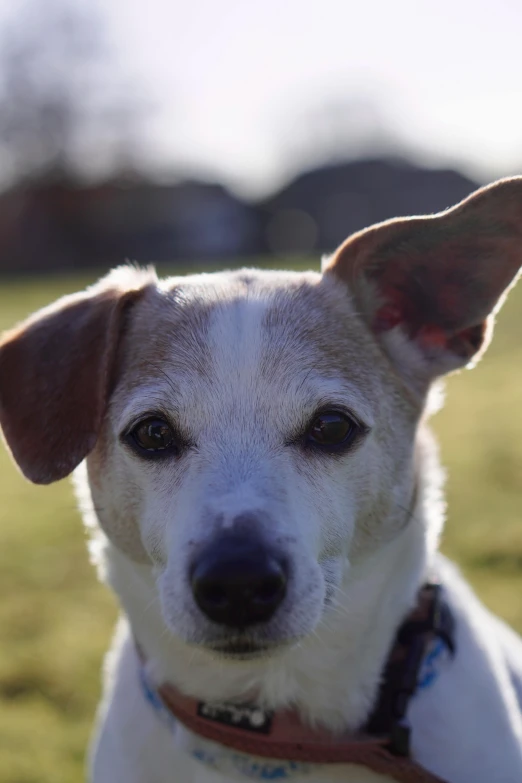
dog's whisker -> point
(152, 602)
(192, 657)
(340, 610)
(316, 635)
(339, 591)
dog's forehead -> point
(238, 332)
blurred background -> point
(206, 134)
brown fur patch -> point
(55, 377)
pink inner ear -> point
(428, 337)
(428, 302)
(423, 316)
(432, 337)
(387, 317)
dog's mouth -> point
(243, 649)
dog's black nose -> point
(237, 581)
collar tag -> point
(245, 716)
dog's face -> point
(253, 446)
(252, 435)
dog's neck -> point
(331, 677)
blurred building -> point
(321, 207)
(54, 224)
(62, 226)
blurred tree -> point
(66, 112)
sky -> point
(241, 87)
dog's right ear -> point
(427, 286)
(55, 375)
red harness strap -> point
(383, 746)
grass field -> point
(56, 621)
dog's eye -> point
(153, 435)
(331, 429)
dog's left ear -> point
(427, 286)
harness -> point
(383, 744)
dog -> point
(253, 462)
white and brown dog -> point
(266, 503)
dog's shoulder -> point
(478, 687)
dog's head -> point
(251, 434)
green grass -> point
(56, 620)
